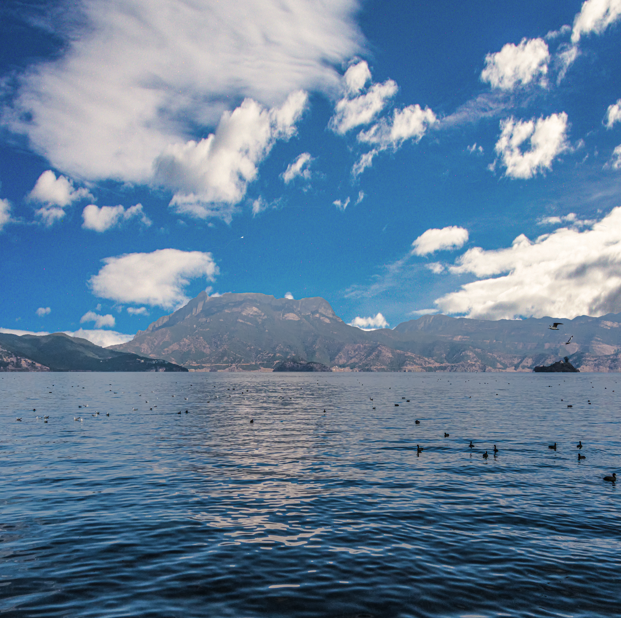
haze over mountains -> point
(252, 332)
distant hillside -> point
(59, 352)
(251, 332)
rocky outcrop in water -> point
(563, 366)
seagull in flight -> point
(555, 326)
(569, 340)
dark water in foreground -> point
(153, 513)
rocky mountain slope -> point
(251, 332)
(59, 352)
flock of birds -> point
(555, 325)
(419, 449)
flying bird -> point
(555, 326)
(569, 340)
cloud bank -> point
(93, 114)
(563, 274)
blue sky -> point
(396, 158)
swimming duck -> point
(485, 455)
(471, 445)
(611, 479)
(495, 449)
(552, 446)
(446, 435)
(581, 456)
(417, 422)
(419, 449)
(579, 445)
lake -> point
(155, 511)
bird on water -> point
(611, 479)
(446, 435)
(581, 456)
(552, 446)
(579, 445)
(485, 455)
(471, 445)
(495, 450)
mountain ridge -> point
(254, 331)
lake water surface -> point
(147, 512)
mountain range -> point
(253, 332)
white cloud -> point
(571, 218)
(365, 160)
(361, 196)
(563, 274)
(615, 160)
(436, 267)
(370, 323)
(137, 311)
(259, 205)
(140, 75)
(55, 194)
(210, 177)
(433, 240)
(517, 65)
(298, 168)
(53, 191)
(351, 112)
(613, 114)
(547, 140)
(475, 149)
(101, 338)
(155, 279)
(564, 59)
(289, 296)
(340, 204)
(356, 77)
(107, 217)
(41, 311)
(5, 212)
(411, 122)
(595, 16)
(100, 320)
(424, 312)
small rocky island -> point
(563, 366)
(295, 364)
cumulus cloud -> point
(96, 115)
(5, 212)
(300, 168)
(55, 194)
(547, 137)
(354, 111)
(100, 320)
(107, 217)
(433, 240)
(137, 311)
(475, 149)
(613, 114)
(289, 296)
(411, 122)
(595, 16)
(53, 191)
(563, 274)
(370, 323)
(356, 78)
(210, 176)
(154, 279)
(41, 311)
(517, 65)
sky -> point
(398, 158)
